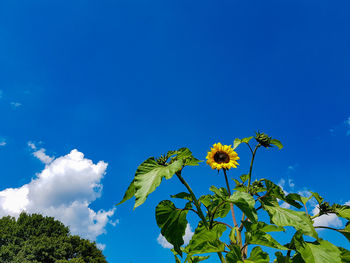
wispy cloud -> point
(15, 105)
(40, 153)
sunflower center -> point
(221, 157)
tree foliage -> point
(38, 239)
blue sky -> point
(124, 80)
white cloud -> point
(347, 203)
(40, 154)
(64, 189)
(187, 237)
(348, 121)
(2, 143)
(330, 220)
(291, 183)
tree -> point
(249, 198)
(38, 239)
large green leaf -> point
(258, 256)
(320, 251)
(246, 203)
(286, 217)
(149, 176)
(256, 234)
(130, 192)
(206, 241)
(172, 222)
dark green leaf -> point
(172, 222)
(246, 203)
(345, 255)
(206, 241)
(280, 258)
(277, 192)
(276, 143)
(234, 256)
(149, 176)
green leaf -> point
(172, 222)
(149, 176)
(277, 192)
(317, 197)
(244, 177)
(234, 255)
(183, 195)
(130, 192)
(317, 252)
(280, 258)
(297, 197)
(246, 203)
(258, 256)
(206, 241)
(221, 192)
(247, 139)
(286, 217)
(186, 155)
(196, 259)
(342, 211)
(276, 143)
(256, 235)
(345, 255)
(236, 142)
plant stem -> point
(233, 211)
(199, 210)
(229, 192)
(195, 200)
(251, 166)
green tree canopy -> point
(39, 239)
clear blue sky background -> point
(122, 80)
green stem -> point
(229, 192)
(195, 200)
(199, 210)
(251, 166)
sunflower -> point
(222, 157)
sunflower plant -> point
(231, 221)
